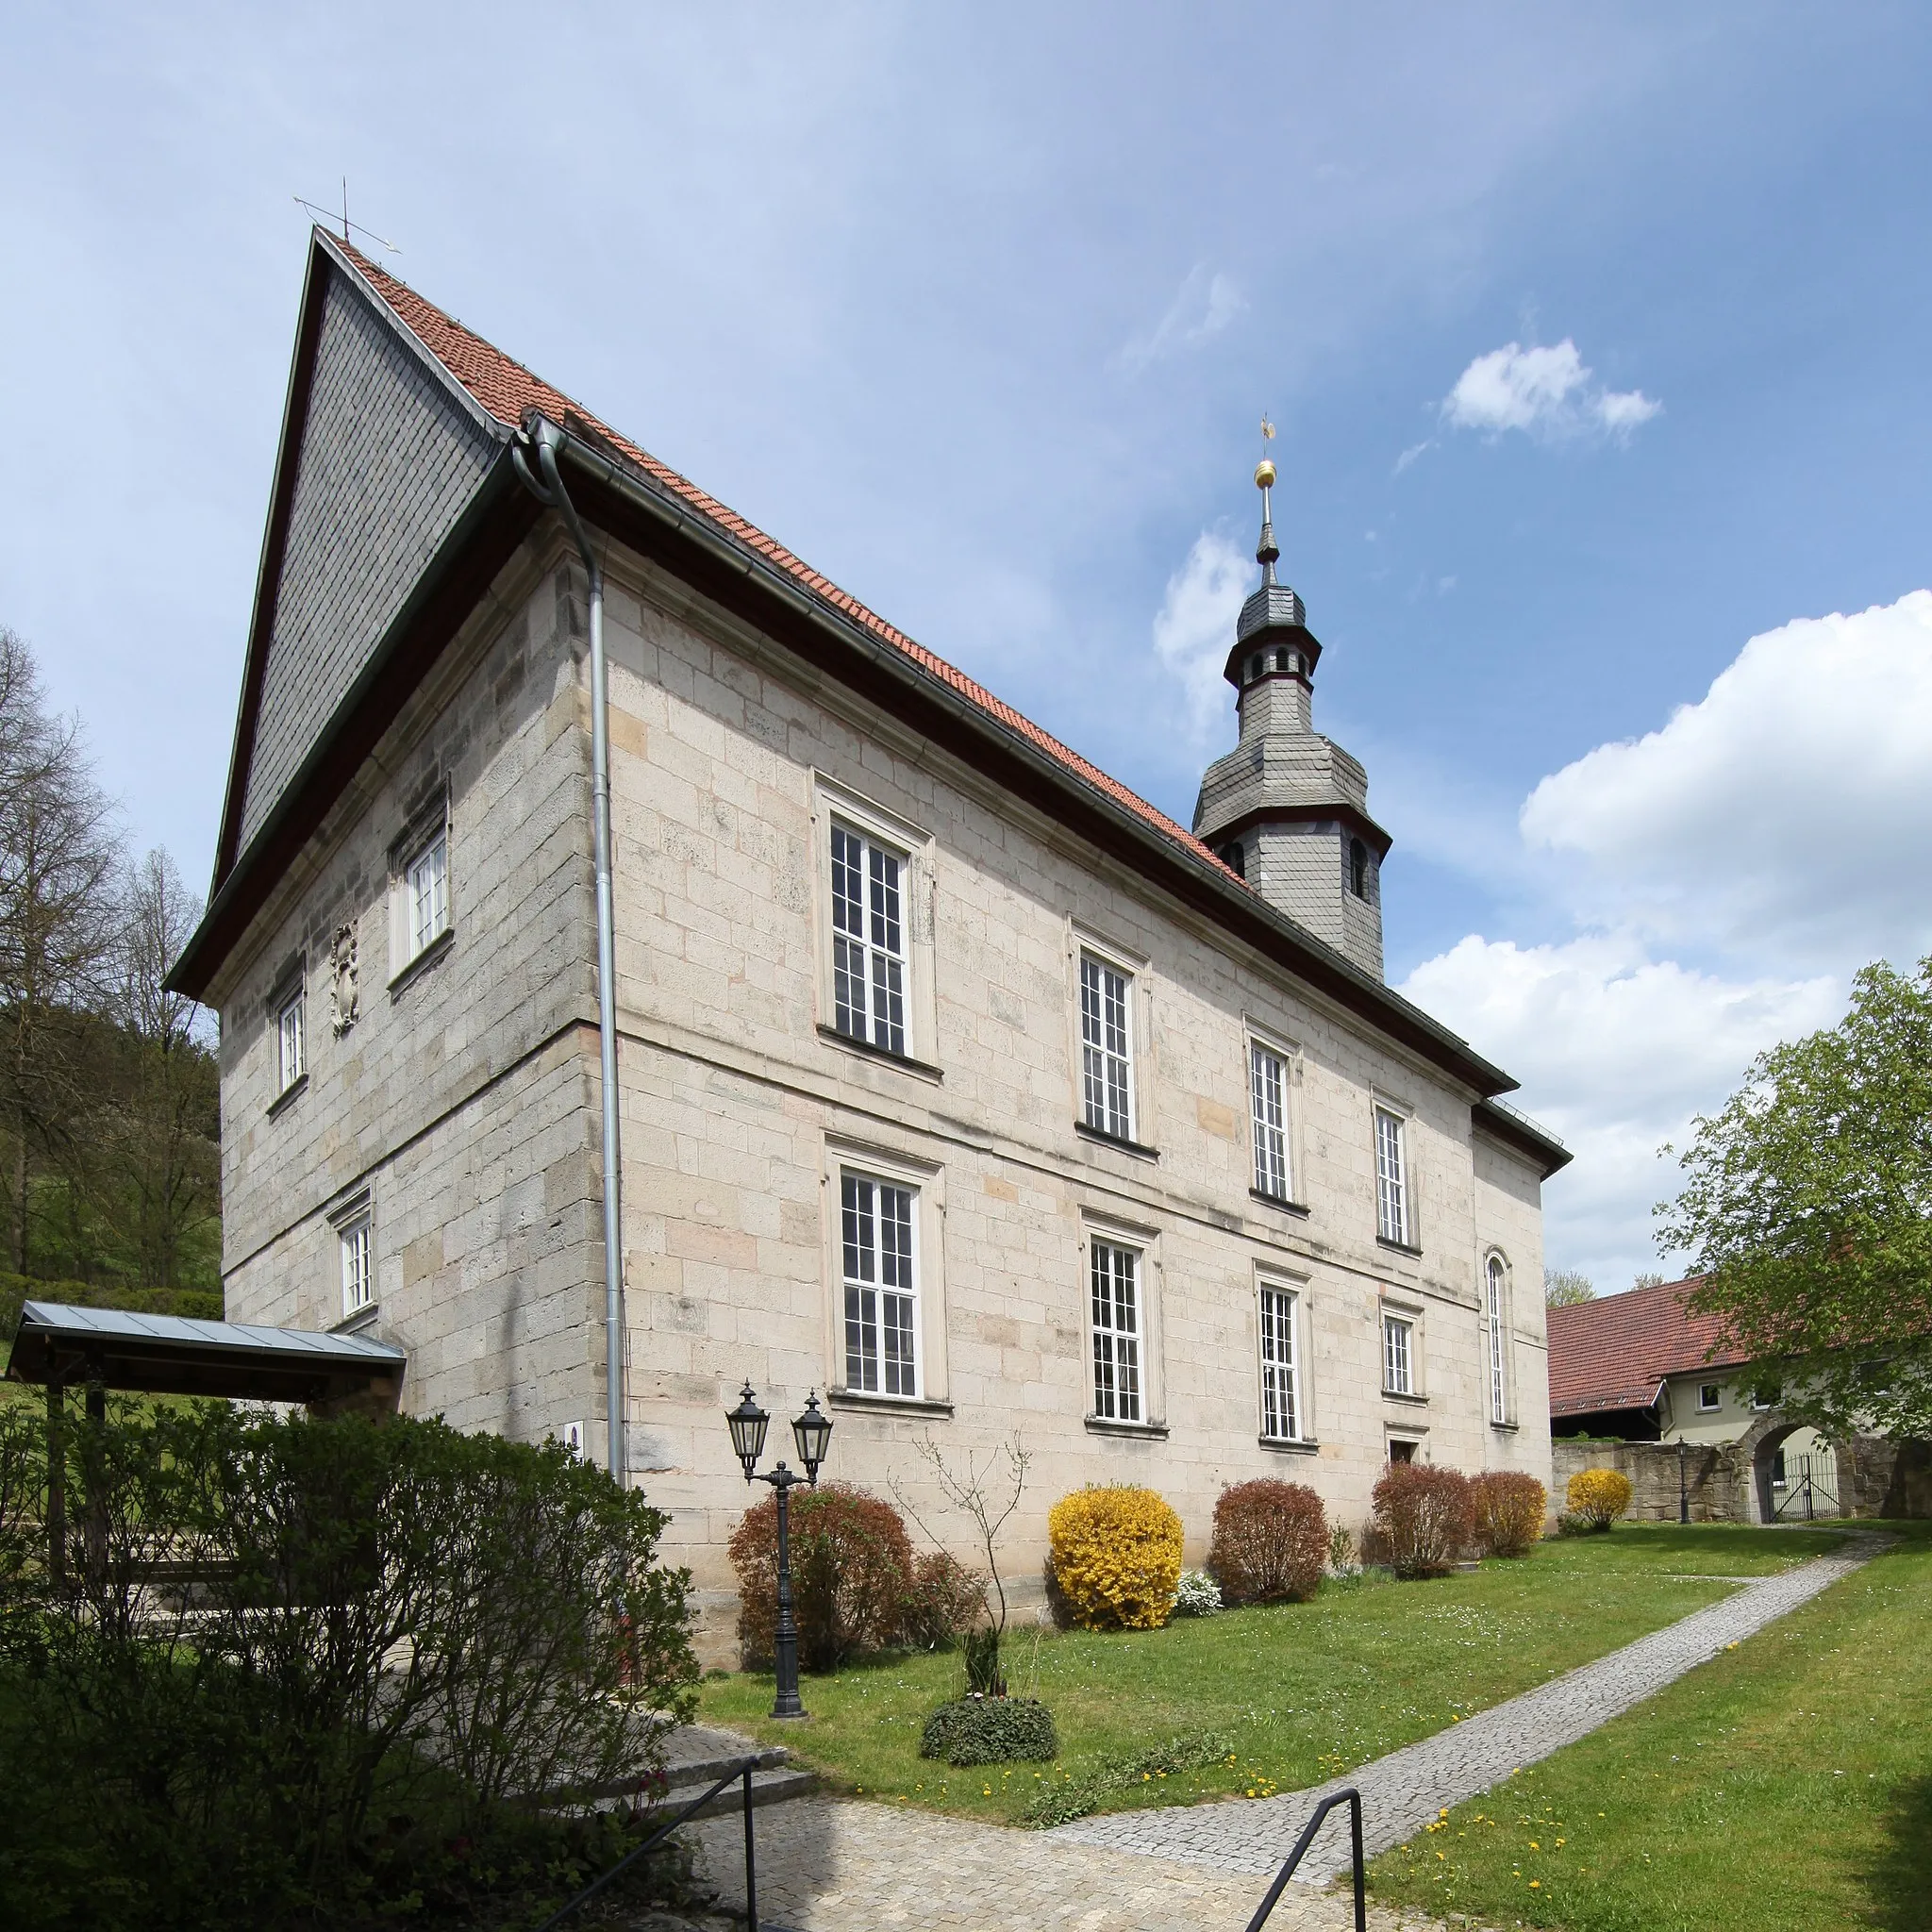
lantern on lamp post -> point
(812, 1433)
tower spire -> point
(1267, 551)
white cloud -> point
(1546, 392)
(1194, 627)
(1204, 306)
(1616, 1052)
(1787, 812)
(1412, 452)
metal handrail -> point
(1353, 1798)
(742, 1772)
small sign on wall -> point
(572, 1436)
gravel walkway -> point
(1403, 1792)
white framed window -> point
(1708, 1396)
(878, 1243)
(426, 896)
(1268, 1103)
(869, 963)
(1107, 1059)
(1398, 1355)
(1282, 1414)
(1494, 1299)
(359, 1283)
(1393, 1220)
(1114, 1281)
(292, 1050)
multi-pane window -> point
(291, 1047)
(1105, 1057)
(881, 1292)
(1499, 1390)
(1281, 1409)
(1398, 1356)
(425, 895)
(359, 1287)
(1393, 1217)
(868, 940)
(1268, 1094)
(1116, 1286)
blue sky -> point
(978, 311)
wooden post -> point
(57, 1485)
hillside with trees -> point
(110, 1101)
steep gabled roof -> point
(258, 844)
(1616, 1353)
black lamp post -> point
(812, 1432)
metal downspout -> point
(550, 492)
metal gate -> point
(1803, 1487)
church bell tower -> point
(1286, 807)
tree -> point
(1808, 1208)
(59, 926)
(1563, 1288)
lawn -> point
(1786, 1786)
(1296, 1694)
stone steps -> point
(696, 1756)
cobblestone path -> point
(1403, 1792)
(831, 1865)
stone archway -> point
(1754, 1457)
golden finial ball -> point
(1264, 474)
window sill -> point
(888, 1405)
(422, 962)
(363, 1317)
(1106, 1139)
(852, 1043)
(287, 1096)
(1382, 1240)
(1504, 1428)
(1301, 1446)
(1396, 1395)
(1102, 1425)
(1280, 1201)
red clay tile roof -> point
(1612, 1354)
(506, 389)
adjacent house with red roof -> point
(643, 968)
(1643, 1367)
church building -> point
(953, 1082)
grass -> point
(1299, 1693)
(1786, 1786)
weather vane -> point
(329, 214)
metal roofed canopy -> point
(171, 1355)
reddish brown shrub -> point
(1426, 1513)
(851, 1573)
(946, 1600)
(1510, 1509)
(1271, 1542)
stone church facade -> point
(956, 1082)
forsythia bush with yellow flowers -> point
(1116, 1557)
(1599, 1496)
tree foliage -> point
(1807, 1210)
(109, 1094)
(1564, 1288)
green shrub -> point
(295, 1662)
(1068, 1798)
(1271, 1542)
(199, 1304)
(991, 1730)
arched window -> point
(1235, 859)
(1359, 868)
(1495, 1305)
